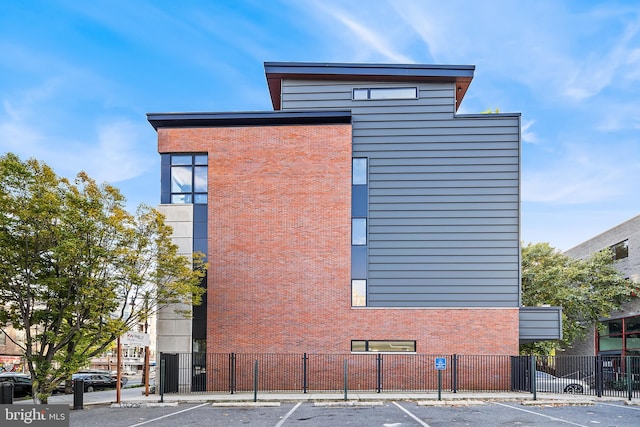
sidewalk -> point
(135, 397)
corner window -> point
(383, 346)
(361, 94)
(189, 178)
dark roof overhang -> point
(275, 72)
(258, 118)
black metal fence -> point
(242, 372)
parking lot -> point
(384, 414)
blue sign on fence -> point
(441, 363)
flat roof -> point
(254, 118)
(275, 72)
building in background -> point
(11, 355)
(621, 333)
(363, 214)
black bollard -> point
(78, 394)
(6, 393)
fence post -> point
(454, 373)
(379, 372)
(599, 375)
(345, 379)
(304, 372)
(629, 377)
(162, 377)
(255, 382)
(533, 377)
(232, 372)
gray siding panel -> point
(540, 323)
(444, 200)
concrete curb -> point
(143, 404)
(348, 403)
(455, 402)
(559, 402)
(246, 404)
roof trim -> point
(275, 72)
(255, 118)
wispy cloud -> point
(372, 34)
(527, 134)
(581, 172)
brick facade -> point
(279, 251)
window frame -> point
(372, 93)
(620, 250)
(368, 347)
(359, 224)
(199, 182)
(363, 283)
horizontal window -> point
(383, 346)
(360, 94)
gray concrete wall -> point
(173, 329)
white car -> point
(550, 383)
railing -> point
(242, 372)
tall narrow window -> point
(358, 293)
(358, 231)
(359, 171)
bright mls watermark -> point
(34, 415)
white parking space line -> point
(422, 423)
(169, 415)
(288, 414)
(634, 408)
(541, 415)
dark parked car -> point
(92, 382)
(21, 383)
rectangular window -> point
(200, 159)
(181, 159)
(358, 293)
(610, 343)
(620, 250)
(181, 179)
(358, 231)
(188, 178)
(612, 327)
(403, 346)
(359, 171)
(200, 179)
(376, 93)
(360, 94)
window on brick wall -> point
(189, 178)
(390, 346)
(358, 293)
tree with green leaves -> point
(586, 289)
(77, 270)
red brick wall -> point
(279, 251)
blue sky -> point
(78, 77)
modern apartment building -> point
(621, 333)
(363, 214)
